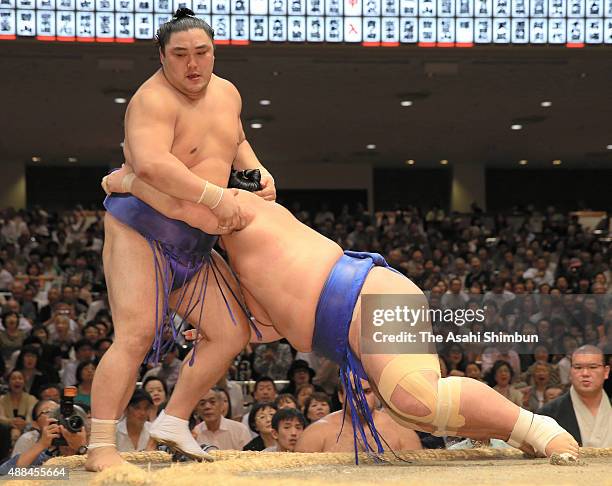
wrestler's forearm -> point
(193, 214)
(169, 175)
(246, 158)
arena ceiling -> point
(329, 103)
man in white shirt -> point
(216, 430)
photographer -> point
(30, 451)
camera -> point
(71, 416)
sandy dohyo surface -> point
(471, 467)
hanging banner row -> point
(390, 22)
(124, 27)
(337, 8)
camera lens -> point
(75, 423)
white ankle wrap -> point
(535, 430)
(103, 433)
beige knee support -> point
(442, 401)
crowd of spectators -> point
(537, 274)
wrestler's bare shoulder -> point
(225, 86)
(155, 95)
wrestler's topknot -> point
(183, 19)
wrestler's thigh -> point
(382, 281)
(130, 278)
(216, 323)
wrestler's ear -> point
(161, 55)
(275, 434)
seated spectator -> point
(541, 356)
(14, 305)
(455, 359)
(133, 429)
(552, 392)
(273, 360)
(500, 379)
(27, 363)
(16, 405)
(50, 391)
(585, 411)
(53, 297)
(570, 344)
(260, 422)
(61, 335)
(43, 449)
(303, 393)
(63, 309)
(334, 433)
(215, 429)
(226, 404)
(263, 392)
(472, 370)
(84, 381)
(11, 338)
(84, 353)
(540, 383)
(51, 357)
(159, 394)
(169, 368)
(287, 427)
(455, 298)
(285, 400)
(300, 373)
(317, 406)
(41, 412)
(6, 276)
(501, 352)
(90, 333)
(235, 398)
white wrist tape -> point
(126, 183)
(211, 195)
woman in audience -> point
(455, 359)
(226, 403)
(285, 400)
(260, 422)
(16, 405)
(84, 375)
(500, 377)
(11, 338)
(317, 406)
(27, 363)
(472, 370)
(303, 392)
(156, 387)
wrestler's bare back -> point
(323, 434)
(283, 265)
(207, 130)
(274, 259)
